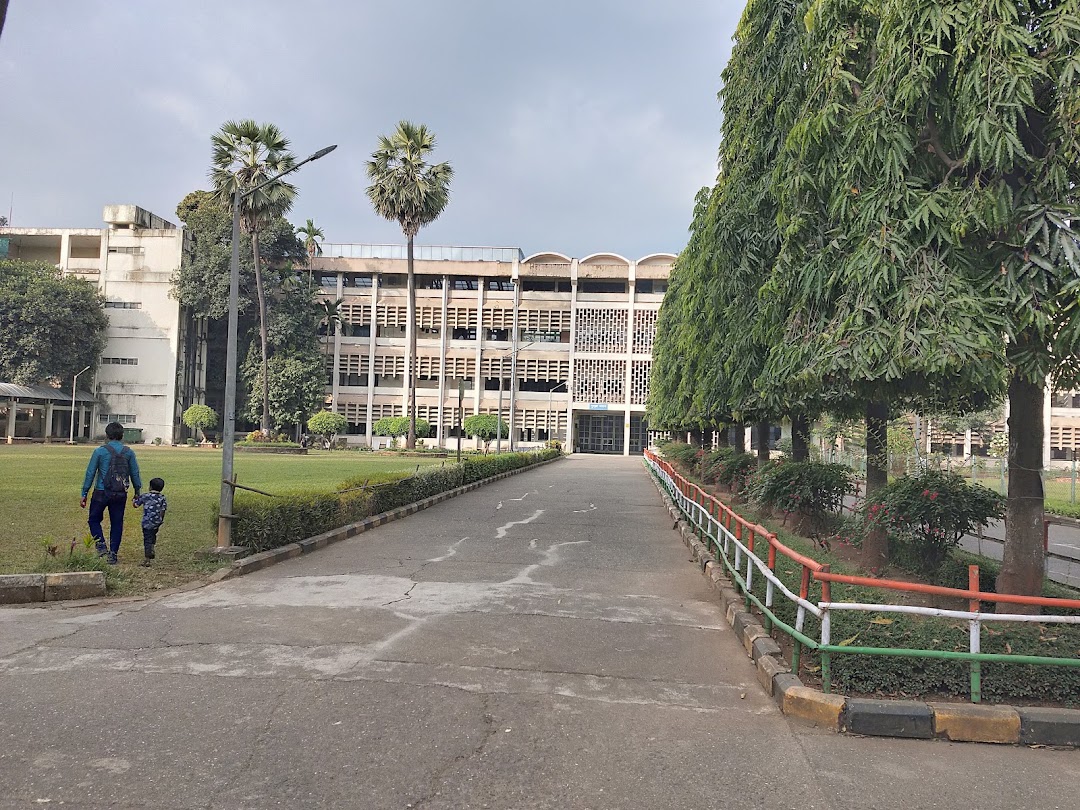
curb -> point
(18, 589)
(956, 722)
(264, 559)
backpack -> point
(116, 477)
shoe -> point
(101, 548)
(149, 553)
(145, 563)
(112, 559)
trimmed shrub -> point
(735, 470)
(806, 488)
(264, 523)
(930, 512)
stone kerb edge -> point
(957, 722)
(18, 589)
(264, 559)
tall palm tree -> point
(245, 154)
(331, 319)
(408, 190)
(311, 233)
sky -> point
(576, 127)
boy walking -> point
(153, 505)
(113, 465)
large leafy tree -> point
(202, 282)
(407, 189)
(953, 189)
(51, 326)
(246, 154)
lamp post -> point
(552, 391)
(498, 420)
(71, 432)
(461, 415)
(225, 514)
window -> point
(492, 384)
(123, 305)
(358, 281)
(464, 283)
(541, 337)
(500, 284)
(529, 284)
(122, 418)
(648, 285)
(597, 286)
(429, 282)
(119, 361)
(498, 334)
(130, 251)
(393, 281)
(327, 280)
(352, 379)
(464, 333)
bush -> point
(680, 452)
(263, 523)
(807, 488)
(735, 470)
(200, 418)
(327, 423)
(714, 462)
(486, 427)
(930, 512)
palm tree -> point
(312, 233)
(245, 154)
(408, 190)
(331, 319)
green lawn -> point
(41, 486)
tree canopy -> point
(52, 326)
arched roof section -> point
(605, 258)
(547, 258)
(657, 258)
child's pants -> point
(149, 538)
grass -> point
(41, 502)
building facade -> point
(561, 347)
(153, 365)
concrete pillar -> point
(49, 431)
(334, 387)
(478, 387)
(747, 434)
(65, 250)
(967, 443)
(440, 434)
(372, 331)
(13, 404)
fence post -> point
(769, 585)
(749, 570)
(804, 591)
(826, 635)
(974, 628)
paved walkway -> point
(540, 643)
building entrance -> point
(598, 434)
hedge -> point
(264, 523)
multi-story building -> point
(561, 347)
(153, 365)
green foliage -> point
(201, 418)
(263, 523)
(327, 423)
(805, 487)
(296, 385)
(487, 427)
(735, 470)
(51, 326)
(397, 426)
(405, 188)
(930, 512)
(679, 452)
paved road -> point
(540, 643)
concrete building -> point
(153, 365)
(568, 341)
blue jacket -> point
(99, 467)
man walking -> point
(113, 465)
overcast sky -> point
(575, 127)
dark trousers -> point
(149, 538)
(116, 502)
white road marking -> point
(523, 497)
(592, 508)
(501, 531)
(450, 552)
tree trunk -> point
(1022, 565)
(264, 342)
(800, 436)
(739, 438)
(876, 542)
(764, 429)
(410, 367)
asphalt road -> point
(540, 643)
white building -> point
(153, 365)
(569, 341)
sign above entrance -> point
(597, 406)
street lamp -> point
(225, 515)
(71, 432)
(550, 392)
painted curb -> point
(264, 559)
(17, 589)
(957, 722)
